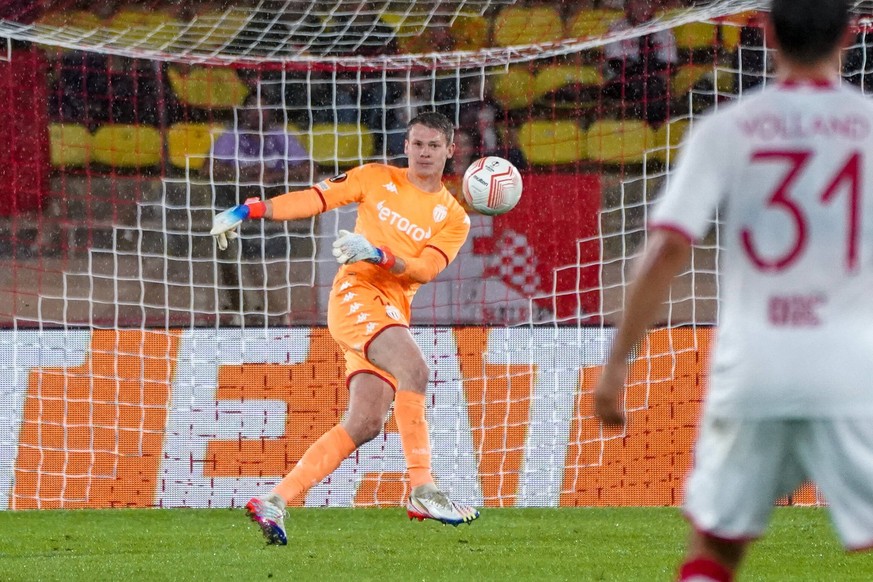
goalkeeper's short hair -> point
(433, 120)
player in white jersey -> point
(791, 386)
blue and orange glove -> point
(351, 248)
(224, 224)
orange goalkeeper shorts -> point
(357, 311)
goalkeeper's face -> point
(428, 150)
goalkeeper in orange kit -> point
(408, 229)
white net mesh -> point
(142, 367)
(343, 32)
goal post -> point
(140, 366)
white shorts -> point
(741, 467)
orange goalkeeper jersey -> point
(391, 213)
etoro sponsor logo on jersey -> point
(402, 223)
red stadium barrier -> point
(24, 157)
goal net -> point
(140, 366)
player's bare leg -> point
(395, 351)
(370, 399)
(710, 559)
(369, 403)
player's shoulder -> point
(714, 127)
(782, 93)
(730, 111)
(370, 169)
(853, 94)
(719, 124)
(790, 98)
(449, 200)
(454, 208)
(383, 173)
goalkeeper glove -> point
(351, 248)
(224, 223)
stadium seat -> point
(576, 85)
(410, 28)
(189, 144)
(469, 33)
(514, 89)
(405, 23)
(516, 26)
(343, 144)
(127, 146)
(688, 77)
(619, 142)
(668, 139)
(144, 28)
(69, 144)
(80, 19)
(730, 36)
(208, 87)
(732, 25)
(696, 36)
(210, 30)
(591, 23)
(550, 143)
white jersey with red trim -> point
(792, 170)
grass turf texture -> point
(621, 544)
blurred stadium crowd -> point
(613, 105)
(97, 102)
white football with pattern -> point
(492, 186)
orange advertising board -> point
(206, 418)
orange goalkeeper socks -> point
(319, 461)
(414, 436)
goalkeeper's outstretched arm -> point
(290, 206)
(295, 205)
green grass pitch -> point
(621, 544)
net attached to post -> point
(143, 367)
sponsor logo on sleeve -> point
(324, 185)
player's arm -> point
(351, 247)
(683, 214)
(422, 269)
(440, 251)
(292, 206)
(436, 256)
(665, 255)
(289, 206)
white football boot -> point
(428, 502)
(268, 512)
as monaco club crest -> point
(440, 212)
